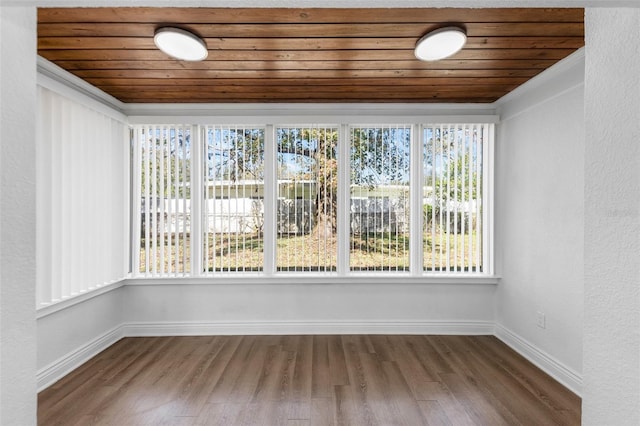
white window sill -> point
(281, 279)
(67, 302)
(297, 279)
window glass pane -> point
(379, 206)
(452, 193)
(233, 206)
(307, 179)
(165, 177)
(231, 193)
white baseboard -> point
(547, 363)
(61, 367)
(306, 327)
(64, 365)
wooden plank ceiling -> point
(307, 55)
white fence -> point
(246, 215)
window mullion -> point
(415, 201)
(270, 195)
(196, 201)
(136, 199)
(344, 195)
(487, 198)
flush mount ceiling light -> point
(180, 44)
(441, 43)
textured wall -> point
(612, 218)
(540, 215)
(17, 216)
(63, 332)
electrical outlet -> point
(540, 320)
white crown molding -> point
(551, 73)
(293, 113)
(389, 117)
(310, 109)
(54, 73)
(547, 363)
(564, 76)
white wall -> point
(71, 336)
(309, 308)
(612, 219)
(82, 226)
(17, 216)
(540, 215)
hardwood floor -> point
(308, 380)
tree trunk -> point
(324, 228)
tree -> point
(379, 156)
(454, 179)
(171, 151)
(235, 154)
(309, 154)
(165, 170)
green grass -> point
(368, 252)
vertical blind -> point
(379, 219)
(452, 197)
(82, 205)
(162, 206)
(220, 199)
(307, 181)
(233, 207)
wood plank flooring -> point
(308, 380)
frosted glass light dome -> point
(180, 44)
(440, 44)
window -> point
(379, 208)
(163, 158)
(233, 208)
(307, 188)
(452, 197)
(336, 199)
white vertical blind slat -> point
(78, 187)
(472, 197)
(161, 195)
(205, 208)
(453, 153)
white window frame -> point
(342, 274)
